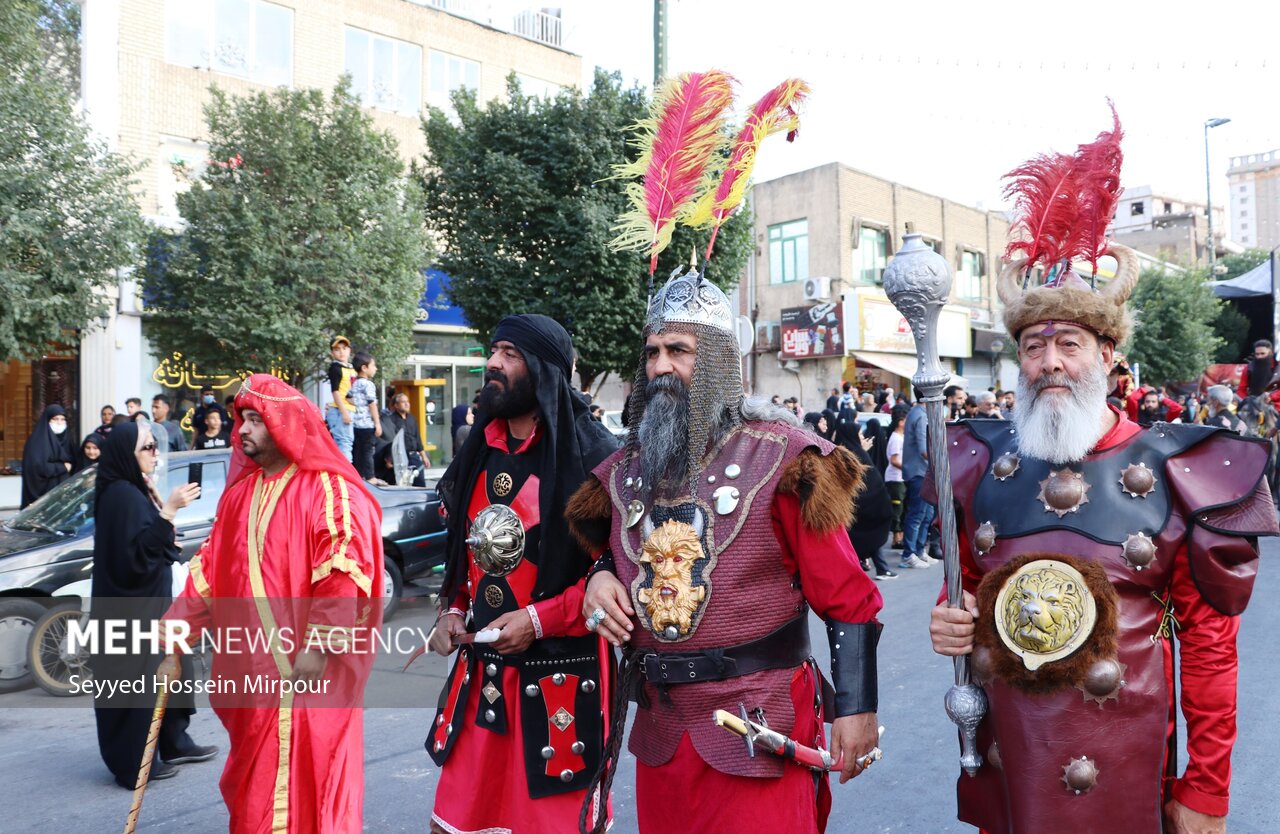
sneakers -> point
(913, 562)
(928, 559)
(159, 770)
(880, 577)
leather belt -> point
(783, 648)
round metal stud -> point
(548, 752)
(1139, 550)
(577, 747)
(985, 537)
(1064, 491)
(1104, 680)
(1005, 466)
(588, 686)
(1137, 480)
(466, 679)
(490, 716)
(711, 479)
(732, 471)
(566, 775)
(670, 632)
(491, 669)
(439, 720)
(448, 729)
(558, 678)
(439, 746)
(1080, 775)
(629, 481)
(532, 690)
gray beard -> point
(664, 432)
(1061, 429)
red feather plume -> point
(1063, 203)
(677, 144)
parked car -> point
(865, 417)
(613, 422)
(49, 545)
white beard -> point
(1061, 428)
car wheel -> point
(392, 587)
(51, 665)
(18, 617)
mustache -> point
(495, 376)
(1051, 380)
(666, 384)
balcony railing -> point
(542, 26)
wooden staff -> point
(169, 668)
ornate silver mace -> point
(918, 282)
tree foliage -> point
(521, 194)
(1174, 339)
(1238, 264)
(298, 229)
(67, 215)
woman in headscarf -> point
(90, 451)
(48, 457)
(872, 511)
(133, 552)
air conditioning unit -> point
(817, 289)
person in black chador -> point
(532, 445)
(133, 553)
(48, 457)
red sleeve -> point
(1243, 391)
(831, 575)
(1207, 654)
(561, 615)
(1131, 402)
(1172, 409)
(969, 576)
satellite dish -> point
(746, 335)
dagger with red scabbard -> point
(758, 734)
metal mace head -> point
(918, 282)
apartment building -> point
(147, 69)
(814, 287)
(1255, 199)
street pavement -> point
(54, 780)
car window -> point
(64, 509)
(212, 482)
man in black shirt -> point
(400, 419)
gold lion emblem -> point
(671, 602)
(1044, 612)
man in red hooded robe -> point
(288, 585)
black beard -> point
(664, 431)
(511, 399)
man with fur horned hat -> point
(1087, 545)
(720, 505)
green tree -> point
(1232, 329)
(1174, 339)
(67, 215)
(299, 229)
(1237, 265)
(520, 193)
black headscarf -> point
(45, 455)
(82, 460)
(572, 444)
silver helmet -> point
(689, 303)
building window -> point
(969, 279)
(871, 255)
(1168, 207)
(249, 39)
(447, 73)
(536, 87)
(385, 73)
(1135, 210)
(789, 252)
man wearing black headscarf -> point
(133, 554)
(48, 456)
(524, 708)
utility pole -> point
(1208, 195)
(659, 41)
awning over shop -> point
(901, 364)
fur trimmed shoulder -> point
(826, 485)
(589, 513)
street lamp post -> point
(1208, 190)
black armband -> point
(604, 563)
(853, 666)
